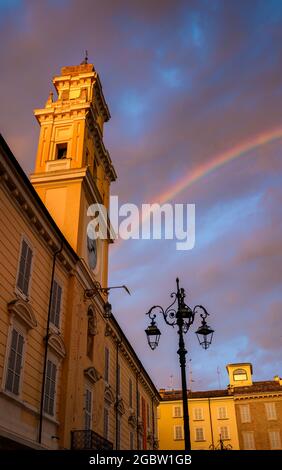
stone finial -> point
(49, 100)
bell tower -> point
(73, 168)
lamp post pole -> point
(183, 317)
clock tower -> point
(73, 168)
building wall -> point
(260, 425)
(207, 419)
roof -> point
(263, 386)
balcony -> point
(89, 440)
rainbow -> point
(193, 176)
(218, 161)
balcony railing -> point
(87, 439)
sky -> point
(195, 92)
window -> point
(248, 440)
(106, 423)
(270, 410)
(275, 440)
(131, 441)
(199, 434)
(15, 362)
(239, 374)
(107, 362)
(224, 432)
(88, 409)
(61, 151)
(148, 415)
(56, 304)
(130, 393)
(177, 412)
(118, 431)
(138, 403)
(198, 414)
(91, 331)
(118, 379)
(222, 412)
(245, 413)
(24, 269)
(50, 388)
(178, 433)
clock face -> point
(92, 252)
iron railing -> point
(87, 439)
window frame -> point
(174, 414)
(201, 413)
(52, 325)
(276, 431)
(203, 434)
(175, 437)
(52, 358)
(244, 435)
(107, 364)
(270, 411)
(58, 146)
(88, 414)
(219, 408)
(245, 406)
(227, 433)
(14, 325)
(17, 289)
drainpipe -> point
(209, 400)
(46, 345)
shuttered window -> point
(222, 412)
(198, 413)
(270, 410)
(248, 440)
(24, 268)
(177, 411)
(88, 409)
(245, 413)
(275, 440)
(224, 432)
(15, 362)
(106, 423)
(130, 393)
(178, 432)
(56, 304)
(50, 388)
(107, 361)
(199, 434)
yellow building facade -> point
(69, 378)
(246, 415)
(211, 417)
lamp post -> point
(178, 313)
(220, 445)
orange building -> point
(68, 375)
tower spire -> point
(85, 60)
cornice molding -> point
(23, 311)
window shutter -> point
(24, 268)
(15, 362)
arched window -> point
(91, 331)
(239, 374)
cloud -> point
(185, 81)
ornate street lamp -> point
(182, 316)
